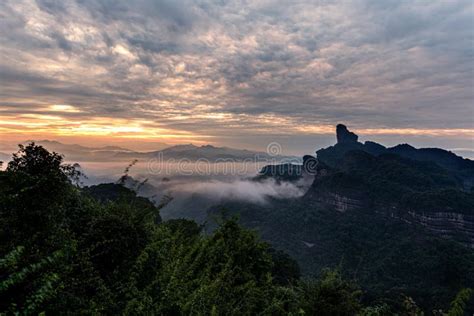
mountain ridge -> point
(78, 153)
(347, 141)
(397, 220)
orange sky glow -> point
(236, 75)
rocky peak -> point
(344, 135)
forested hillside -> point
(395, 223)
(103, 250)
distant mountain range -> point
(78, 153)
(213, 153)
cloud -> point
(227, 68)
(240, 190)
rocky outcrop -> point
(444, 224)
(418, 186)
(348, 141)
(344, 135)
(447, 224)
(339, 202)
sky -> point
(237, 73)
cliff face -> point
(397, 221)
(447, 224)
(339, 202)
(443, 223)
(423, 189)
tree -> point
(104, 250)
(35, 193)
(458, 305)
(227, 273)
(35, 160)
(27, 286)
(285, 269)
(330, 295)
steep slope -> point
(414, 191)
(387, 256)
(463, 168)
(396, 220)
(431, 187)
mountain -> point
(78, 153)
(290, 172)
(397, 220)
(215, 154)
(413, 191)
(55, 145)
(428, 186)
(462, 167)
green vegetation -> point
(103, 250)
(386, 258)
(378, 243)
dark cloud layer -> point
(204, 66)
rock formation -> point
(344, 135)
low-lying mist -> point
(193, 193)
(241, 189)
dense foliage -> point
(103, 250)
(377, 242)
